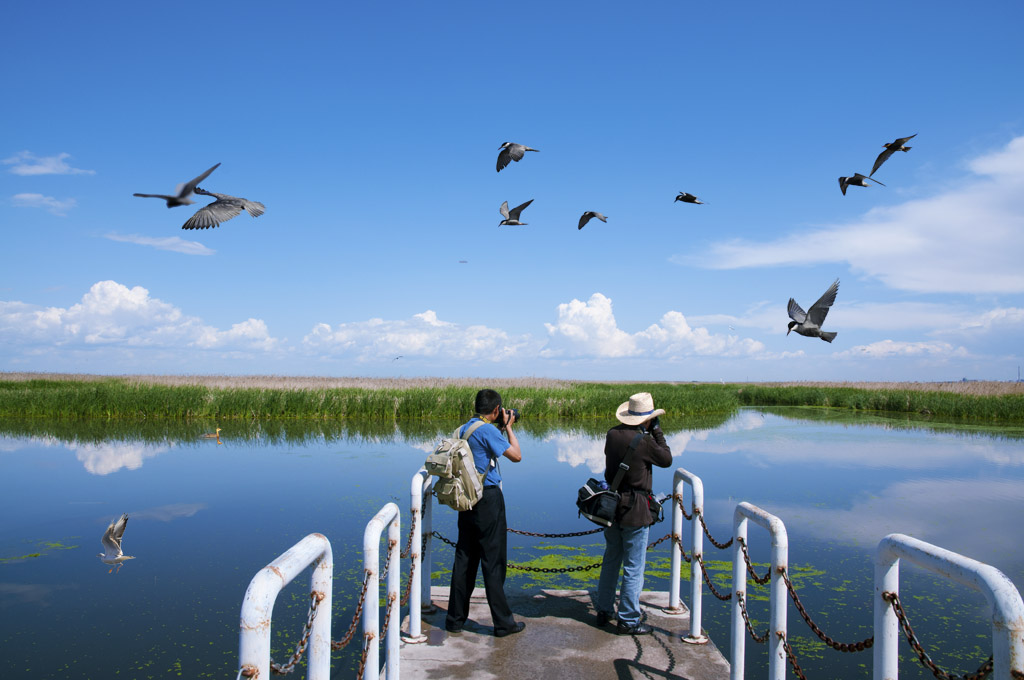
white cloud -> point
(885, 349)
(423, 335)
(174, 244)
(27, 163)
(589, 329)
(108, 457)
(54, 205)
(966, 239)
(113, 315)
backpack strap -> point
(493, 462)
(624, 465)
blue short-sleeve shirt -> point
(487, 444)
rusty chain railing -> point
(707, 579)
(300, 648)
(761, 580)
(792, 657)
(679, 503)
(679, 543)
(761, 639)
(367, 639)
(568, 535)
(926, 661)
(860, 646)
(720, 546)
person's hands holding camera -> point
(507, 416)
(653, 423)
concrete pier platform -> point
(561, 640)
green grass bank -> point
(133, 398)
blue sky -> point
(370, 132)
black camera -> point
(501, 416)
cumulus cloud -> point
(965, 239)
(589, 329)
(53, 205)
(175, 244)
(112, 314)
(423, 335)
(27, 163)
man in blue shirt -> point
(482, 529)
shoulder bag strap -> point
(624, 465)
(469, 431)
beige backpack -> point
(459, 485)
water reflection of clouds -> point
(167, 513)
(578, 449)
(973, 517)
(108, 457)
(37, 594)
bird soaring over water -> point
(809, 323)
(890, 149)
(858, 180)
(184, 191)
(688, 198)
(510, 151)
(112, 543)
(512, 216)
(587, 215)
(221, 210)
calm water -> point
(206, 517)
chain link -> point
(908, 631)
(679, 503)
(367, 639)
(651, 546)
(679, 542)
(554, 570)
(761, 639)
(867, 643)
(408, 586)
(300, 649)
(720, 546)
(387, 615)
(248, 672)
(792, 657)
(569, 535)
(412, 529)
(356, 617)
(707, 579)
(761, 580)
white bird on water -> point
(112, 543)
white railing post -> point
(1003, 598)
(258, 607)
(390, 517)
(679, 480)
(422, 483)
(778, 597)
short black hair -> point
(486, 400)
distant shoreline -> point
(279, 382)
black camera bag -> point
(601, 505)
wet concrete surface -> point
(561, 640)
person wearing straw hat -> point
(626, 539)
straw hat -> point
(639, 408)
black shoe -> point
(453, 628)
(640, 628)
(603, 618)
(517, 628)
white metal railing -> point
(420, 554)
(1003, 598)
(258, 607)
(388, 517)
(680, 479)
(778, 597)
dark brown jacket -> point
(652, 450)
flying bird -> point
(221, 210)
(512, 216)
(688, 198)
(587, 215)
(890, 149)
(858, 180)
(112, 544)
(809, 323)
(510, 151)
(184, 191)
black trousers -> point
(483, 540)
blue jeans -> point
(626, 548)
